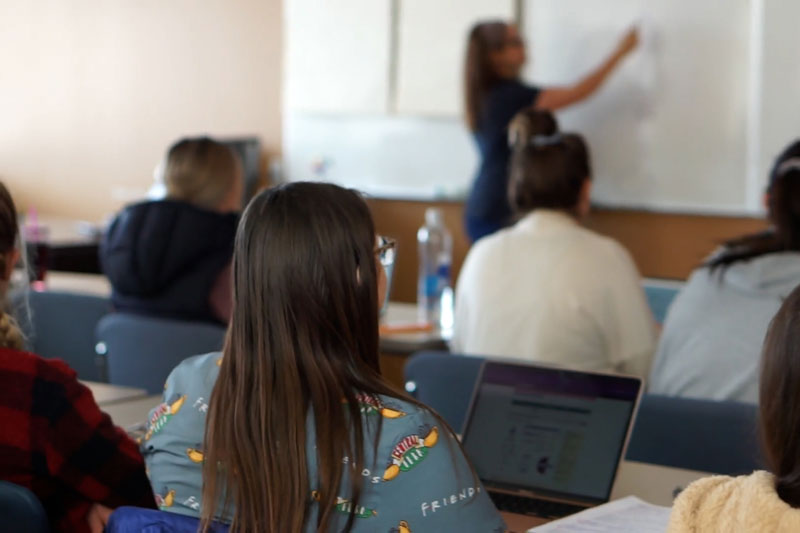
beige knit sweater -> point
(746, 504)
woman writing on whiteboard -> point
(493, 94)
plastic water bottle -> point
(434, 288)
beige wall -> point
(93, 91)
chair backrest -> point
(660, 296)
(135, 520)
(141, 351)
(21, 511)
(444, 382)
(704, 435)
(61, 325)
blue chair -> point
(659, 297)
(141, 351)
(138, 520)
(704, 435)
(61, 325)
(21, 511)
(444, 382)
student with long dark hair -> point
(302, 433)
(54, 439)
(762, 501)
(493, 94)
(715, 327)
(546, 289)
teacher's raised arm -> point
(493, 94)
(553, 98)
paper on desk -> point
(627, 515)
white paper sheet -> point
(628, 515)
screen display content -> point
(549, 430)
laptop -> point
(547, 442)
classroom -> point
(400, 266)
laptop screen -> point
(552, 431)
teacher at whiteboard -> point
(493, 94)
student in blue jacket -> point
(293, 421)
(493, 94)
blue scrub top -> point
(487, 207)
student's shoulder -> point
(200, 370)
(406, 421)
(604, 248)
(16, 364)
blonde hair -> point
(10, 334)
(202, 172)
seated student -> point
(713, 331)
(762, 501)
(172, 257)
(302, 432)
(546, 289)
(54, 440)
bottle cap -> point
(434, 217)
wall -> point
(92, 92)
(663, 245)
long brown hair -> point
(783, 195)
(302, 342)
(779, 399)
(480, 74)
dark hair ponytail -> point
(548, 172)
(784, 214)
(779, 399)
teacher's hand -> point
(629, 42)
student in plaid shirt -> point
(54, 439)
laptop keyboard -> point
(531, 506)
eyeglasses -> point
(385, 250)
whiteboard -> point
(670, 129)
(432, 37)
(337, 55)
(778, 114)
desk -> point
(132, 412)
(94, 284)
(73, 244)
(105, 394)
(652, 483)
(397, 347)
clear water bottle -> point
(434, 288)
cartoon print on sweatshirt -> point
(195, 455)
(344, 506)
(410, 451)
(402, 527)
(163, 413)
(166, 501)
(371, 405)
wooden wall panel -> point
(663, 245)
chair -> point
(704, 435)
(136, 520)
(659, 298)
(61, 325)
(444, 382)
(21, 511)
(142, 351)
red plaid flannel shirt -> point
(55, 441)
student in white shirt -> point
(547, 289)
